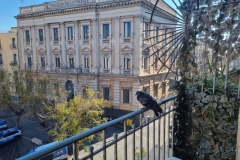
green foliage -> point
(137, 153)
(76, 116)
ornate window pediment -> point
(127, 49)
(86, 49)
(106, 49)
(28, 51)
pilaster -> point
(48, 49)
(63, 44)
(33, 41)
(117, 59)
(76, 38)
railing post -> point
(141, 117)
(91, 148)
(148, 137)
(133, 127)
(164, 132)
(159, 137)
(104, 144)
(115, 146)
(75, 151)
(154, 136)
(125, 140)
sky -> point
(10, 8)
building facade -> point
(95, 44)
(8, 49)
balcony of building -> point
(143, 136)
(13, 46)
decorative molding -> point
(71, 50)
(106, 49)
(28, 51)
(127, 49)
(86, 49)
(42, 51)
(56, 50)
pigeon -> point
(149, 102)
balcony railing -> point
(13, 46)
(154, 135)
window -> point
(1, 60)
(87, 61)
(43, 87)
(127, 29)
(146, 30)
(145, 62)
(164, 57)
(27, 36)
(165, 35)
(56, 88)
(146, 90)
(71, 61)
(57, 61)
(13, 43)
(157, 33)
(156, 62)
(85, 32)
(155, 90)
(126, 96)
(29, 61)
(106, 62)
(42, 61)
(163, 88)
(55, 34)
(127, 61)
(106, 31)
(106, 93)
(14, 58)
(40, 35)
(70, 33)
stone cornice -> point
(91, 6)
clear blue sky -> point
(10, 8)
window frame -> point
(127, 59)
(107, 36)
(55, 35)
(40, 37)
(70, 33)
(86, 36)
(14, 58)
(129, 96)
(104, 95)
(57, 61)
(86, 61)
(106, 61)
(27, 36)
(127, 32)
(43, 63)
(71, 61)
(29, 60)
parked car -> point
(9, 135)
(65, 153)
(3, 124)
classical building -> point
(8, 49)
(96, 44)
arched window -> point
(42, 59)
(106, 61)
(127, 61)
(71, 61)
(57, 61)
(86, 61)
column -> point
(138, 44)
(76, 44)
(63, 44)
(33, 41)
(95, 54)
(48, 47)
(21, 47)
(117, 59)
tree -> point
(78, 115)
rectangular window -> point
(71, 62)
(146, 30)
(106, 31)
(106, 63)
(14, 58)
(85, 32)
(70, 33)
(145, 62)
(43, 87)
(126, 96)
(127, 29)
(57, 61)
(27, 36)
(55, 34)
(163, 88)
(56, 88)
(127, 63)
(146, 90)
(29, 61)
(157, 33)
(1, 60)
(106, 93)
(86, 62)
(43, 61)
(13, 43)
(156, 62)
(155, 90)
(40, 35)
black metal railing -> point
(152, 136)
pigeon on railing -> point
(148, 101)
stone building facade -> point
(95, 44)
